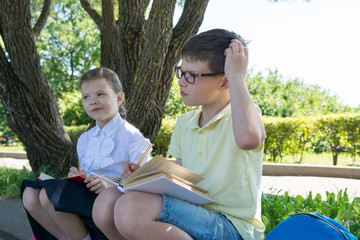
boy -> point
(222, 142)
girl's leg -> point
(103, 212)
(70, 224)
(31, 202)
(136, 215)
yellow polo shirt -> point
(232, 175)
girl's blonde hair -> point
(111, 77)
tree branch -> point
(108, 12)
(157, 38)
(190, 20)
(187, 26)
(130, 26)
(39, 25)
(92, 13)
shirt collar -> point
(194, 121)
(112, 126)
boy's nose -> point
(182, 82)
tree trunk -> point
(144, 52)
(335, 157)
(26, 95)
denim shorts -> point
(198, 222)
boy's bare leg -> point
(136, 215)
(70, 224)
(32, 204)
(103, 212)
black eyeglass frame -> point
(183, 73)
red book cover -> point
(77, 178)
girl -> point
(61, 209)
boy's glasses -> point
(190, 77)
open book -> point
(163, 176)
(77, 178)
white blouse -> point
(103, 150)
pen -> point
(79, 165)
(144, 154)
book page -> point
(161, 184)
(44, 176)
(182, 181)
(159, 164)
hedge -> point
(295, 135)
(328, 133)
(74, 132)
(284, 136)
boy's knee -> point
(126, 204)
(103, 210)
(125, 212)
(101, 215)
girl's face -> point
(100, 101)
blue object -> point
(309, 226)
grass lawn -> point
(321, 159)
(12, 148)
(308, 158)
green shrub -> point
(277, 208)
(274, 208)
(74, 132)
(331, 128)
(294, 135)
(279, 132)
(162, 141)
(72, 110)
(352, 128)
(174, 105)
(11, 179)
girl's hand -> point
(73, 172)
(82, 173)
(97, 185)
(128, 169)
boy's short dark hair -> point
(209, 47)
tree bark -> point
(335, 158)
(143, 52)
(26, 95)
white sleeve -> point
(137, 146)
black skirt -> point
(66, 196)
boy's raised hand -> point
(236, 61)
(128, 169)
(248, 127)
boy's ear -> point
(224, 83)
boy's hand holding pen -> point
(129, 167)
